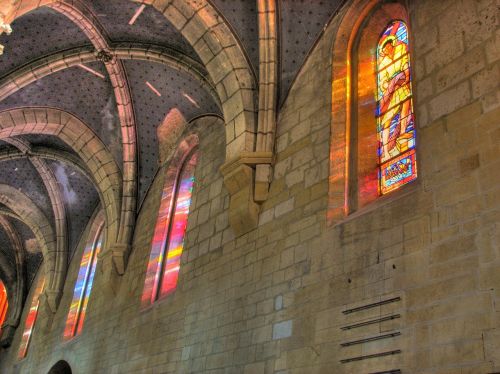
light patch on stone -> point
(108, 131)
(31, 246)
(282, 329)
(169, 131)
(278, 302)
(62, 178)
(186, 351)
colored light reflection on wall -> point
(83, 286)
(31, 319)
(395, 118)
(4, 304)
(168, 240)
(178, 227)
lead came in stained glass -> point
(395, 117)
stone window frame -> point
(185, 149)
(96, 234)
(358, 32)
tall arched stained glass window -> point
(31, 319)
(168, 240)
(395, 117)
(4, 304)
(83, 286)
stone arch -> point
(35, 219)
(60, 367)
(341, 105)
(218, 48)
(49, 154)
(359, 30)
(56, 199)
(81, 55)
(185, 149)
(17, 288)
(81, 138)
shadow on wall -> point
(61, 367)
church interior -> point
(250, 186)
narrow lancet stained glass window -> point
(30, 319)
(4, 304)
(83, 286)
(395, 117)
(168, 240)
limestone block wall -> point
(418, 270)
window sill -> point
(157, 303)
(382, 201)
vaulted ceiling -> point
(42, 166)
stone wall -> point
(285, 296)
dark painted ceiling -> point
(91, 98)
(151, 26)
(81, 93)
(21, 175)
(80, 197)
(6, 249)
(302, 22)
(242, 17)
(173, 86)
(33, 255)
(39, 33)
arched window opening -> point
(61, 367)
(83, 286)
(4, 304)
(31, 319)
(395, 118)
(373, 131)
(168, 239)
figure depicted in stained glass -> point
(395, 119)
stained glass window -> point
(83, 286)
(31, 319)
(4, 304)
(395, 117)
(168, 240)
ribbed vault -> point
(147, 69)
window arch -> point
(31, 319)
(373, 137)
(168, 238)
(83, 285)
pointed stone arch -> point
(17, 288)
(97, 159)
(29, 213)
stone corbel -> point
(47, 307)
(113, 263)
(239, 179)
(52, 298)
(120, 253)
